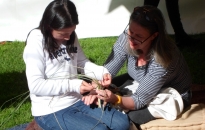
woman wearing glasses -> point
(154, 64)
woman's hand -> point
(106, 80)
(90, 98)
(85, 87)
(106, 95)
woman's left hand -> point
(85, 87)
(106, 80)
(106, 95)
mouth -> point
(133, 44)
(60, 41)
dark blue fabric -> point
(19, 127)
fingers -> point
(103, 95)
(85, 83)
(106, 80)
(89, 99)
(107, 76)
(93, 92)
(95, 85)
(104, 103)
(85, 87)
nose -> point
(131, 39)
(66, 37)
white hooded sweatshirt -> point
(53, 83)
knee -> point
(123, 124)
(134, 118)
(140, 117)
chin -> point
(60, 41)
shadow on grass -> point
(195, 58)
(11, 85)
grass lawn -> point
(13, 80)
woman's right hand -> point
(90, 98)
(85, 87)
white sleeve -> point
(94, 71)
(88, 68)
(34, 58)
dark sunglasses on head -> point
(143, 11)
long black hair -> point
(58, 14)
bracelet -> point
(119, 100)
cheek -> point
(53, 34)
(131, 44)
(57, 37)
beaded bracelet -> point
(119, 100)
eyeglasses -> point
(134, 39)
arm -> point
(148, 87)
(126, 103)
(118, 56)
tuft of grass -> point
(11, 116)
(11, 57)
(13, 79)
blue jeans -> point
(82, 117)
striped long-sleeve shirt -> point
(151, 78)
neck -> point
(143, 58)
(141, 61)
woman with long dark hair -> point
(53, 59)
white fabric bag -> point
(168, 104)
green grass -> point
(98, 49)
(13, 80)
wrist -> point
(114, 88)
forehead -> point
(65, 30)
(137, 28)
